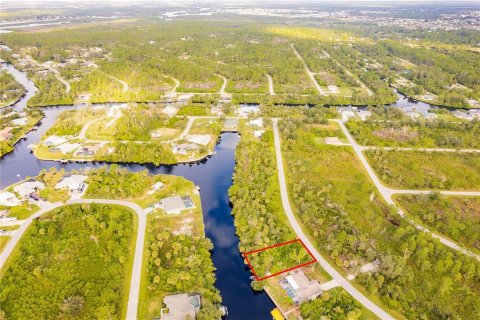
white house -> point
(157, 186)
(54, 140)
(256, 122)
(19, 121)
(75, 182)
(8, 199)
(26, 188)
(201, 139)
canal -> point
(213, 175)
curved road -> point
(388, 192)
(378, 311)
(138, 255)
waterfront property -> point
(180, 307)
(176, 204)
(73, 183)
(300, 288)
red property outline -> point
(245, 255)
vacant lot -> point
(73, 263)
(455, 217)
(427, 170)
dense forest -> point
(73, 263)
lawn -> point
(74, 262)
(426, 170)
(457, 218)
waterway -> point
(213, 175)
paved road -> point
(309, 72)
(378, 311)
(87, 125)
(270, 85)
(138, 255)
(388, 192)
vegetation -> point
(10, 90)
(341, 210)
(334, 304)
(139, 153)
(278, 259)
(8, 115)
(73, 263)
(117, 183)
(456, 217)
(427, 170)
(410, 133)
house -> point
(6, 134)
(27, 188)
(184, 148)
(258, 133)
(157, 186)
(246, 109)
(333, 89)
(8, 199)
(75, 182)
(88, 151)
(176, 204)
(180, 307)
(346, 112)
(19, 121)
(256, 122)
(67, 147)
(363, 114)
(201, 139)
(54, 140)
(300, 288)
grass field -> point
(427, 170)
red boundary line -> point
(245, 255)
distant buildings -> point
(349, 112)
(180, 307)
